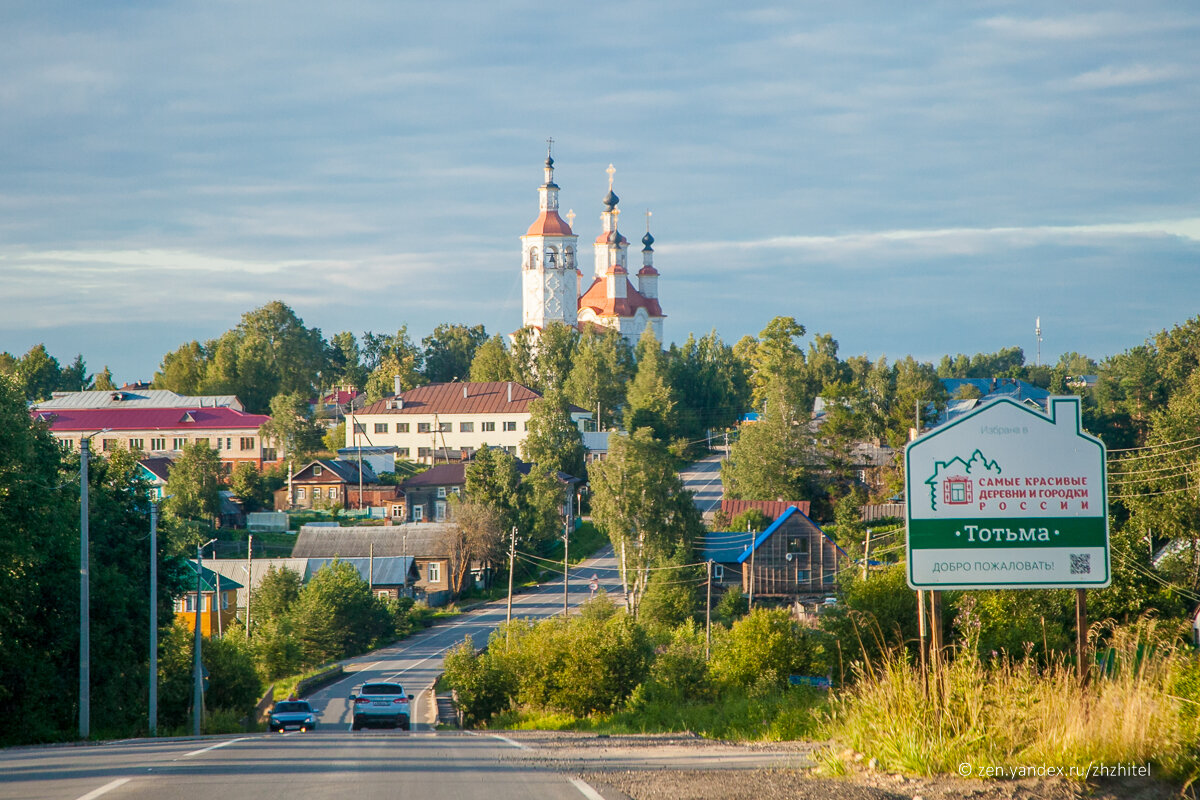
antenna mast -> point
(1037, 330)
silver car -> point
(381, 703)
(292, 715)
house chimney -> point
(396, 385)
(510, 391)
(464, 391)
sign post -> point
(1008, 497)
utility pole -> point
(512, 558)
(249, 579)
(708, 613)
(750, 605)
(197, 664)
(85, 654)
(867, 554)
(371, 567)
(153, 707)
(217, 598)
(566, 566)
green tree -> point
(522, 356)
(388, 357)
(491, 362)
(182, 371)
(247, 483)
(771, 458)
(276, 594)
(39, 373)
(194, 485)
(104, 380)
(639, 500)
(450, 350)
(345, 361)
(475, 538)
(765, 647)
(779, 366)
(602, 367)
(554, 440)
(74, 376)
(553, 355)
(292, 428)
(648, 401)
(337, 615)
(493, 480)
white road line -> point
(512, 742)
(585, 790)
(108, 787)
(213, 747)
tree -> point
(711, 384)
(388, 357)
(493, 480)
(247, 484)
(771, 458)
(491, 362)
(182, 371)
(475, 537)
(450, 350)
(278, 592)
(337, 615)
(194, 485)
(602, 367)
(74, 376)
(554, 440)
(521, 357)
(104, 380)
(779, 365)
(292, 428)
(39, 373)
(553, 356)
(287, 357)
(639, 500)
(649, 402)
(766, 646)
(345, 360)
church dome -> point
(648, 240)
(611, 200)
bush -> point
(679, 672)
(732, 606)
(482, 685)
(764, 648)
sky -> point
(913, 179)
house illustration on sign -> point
(951, 477)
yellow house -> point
(218, 603)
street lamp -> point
(197, 666)
(153, 710)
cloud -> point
(1111, 77)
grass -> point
(1013, 712)
(737, 715)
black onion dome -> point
(611, 200)
(648, 240)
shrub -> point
(764, 648)
(732, 606)
(482, 685)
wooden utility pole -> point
(922, 621)
(566, 566)
(867, 554)
(1081, 635)
(512, 558)
(708, 613)
(249, 578)
(750, 604)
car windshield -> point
(382, 688)
(294, 705)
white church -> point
(555, 289)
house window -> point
(203, 441)
(228, 442)
(397, 511)
(441, 492)
(158, 444)
(718, 572)
(435, 572)
(439, 511)
(445, 427)
(456, 489)
(317, 471)
(402, 452)
(189, 603)
(418, 513)
(797, 544)
(299, 492)
(510, 449)
(108, 444)
(332, 492)
(827, 577)
(137, 444)
(466, 427)
(381, 427)
(527, 425)
(360, 427)
(316, 492)
(224, 601)
(424, 452)
(424, 427)
(247, 442)
(178, 443)
(487, 427)
(510, 426)
(268, 454)
(401, 427)
(802, 576)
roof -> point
(208, 579)
(345, 470)
(725, 547)
(772, 508)
(491, 397)
(596, 298)
(418, 539)
(150, 419)
(386, 571)
(158, 466)
(456, 475)
(549, 223)
(130, 397)
(724, 544)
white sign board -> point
(1007, 497)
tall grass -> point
(1139, 707)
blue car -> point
(292, 715)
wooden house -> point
(217, 599)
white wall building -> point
(448, 420)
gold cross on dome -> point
(549, 146)
(571, 217)
(611, 170)
(648, 214)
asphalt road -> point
(703, 479)
(331, 762)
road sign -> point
(1007, 497)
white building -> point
(554, 289)
(448, 421)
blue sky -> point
(920, 180)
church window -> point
(533, 258)
(568, 257)
(551, 257)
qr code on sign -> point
(1081, 564)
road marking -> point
(585, 790)
(513, 742)
(108, 787)
(213, 747)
